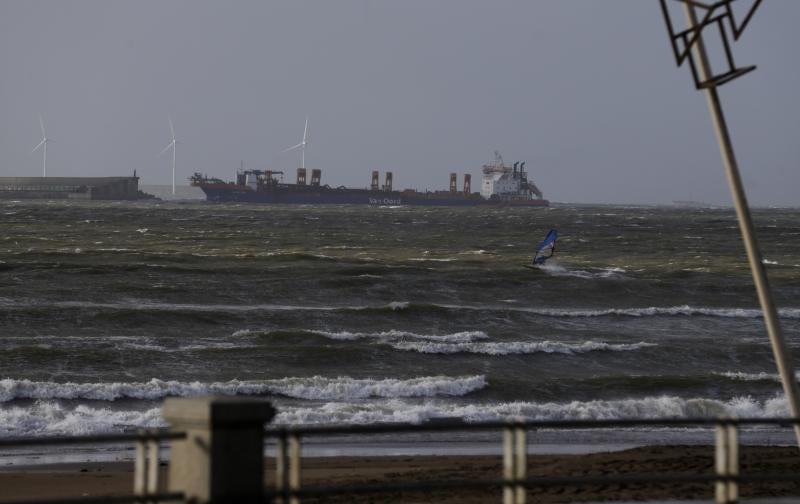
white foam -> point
(650, 311)
(762, 376)
(145, 305)
(51, 418)
(458, 337)
(315, 387)
(402, 411)
(517, 347)
(555, 269)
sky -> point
(586, 91)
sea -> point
(361, 315)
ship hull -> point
(344, 196)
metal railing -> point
(515, 482)
(146, 484)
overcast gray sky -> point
(585, 90)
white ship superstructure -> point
(507, 182)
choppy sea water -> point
(348, 314)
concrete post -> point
(222, 457)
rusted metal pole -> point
(780, 349)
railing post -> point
(515, 464)
(727, 463)
(521, 461)
(294, 467)
(281, 472)
(140, 466)
(508, 464)
(153, 464)
(222, 457)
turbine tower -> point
(301, 146)
(43, 145)
(171, 144)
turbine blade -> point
(41, 123)
(171, 129)
(305, 130)
(39, 145)
(293, 147)
(171, 144)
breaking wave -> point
(313, 388)
(52, 417)
(650, 407)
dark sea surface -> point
(346, 314)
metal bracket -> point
(721, 14)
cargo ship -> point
(501, 186)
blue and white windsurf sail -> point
(546, 248)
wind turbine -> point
(42, 144)
(301, 146)
(171, 144)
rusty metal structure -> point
(375, 177)
(387, 186)
(453, 183)
(467, 183)
(688, 45)
(301, 176)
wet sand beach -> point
(116, 478)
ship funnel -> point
(515, 169)
(453, 183)
(388, 185)
(467, 183)
(301, 176)
(375, 183)
(316, 176)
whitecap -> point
(315, 387)
(394, 334)
(518, 347)
(656, 407)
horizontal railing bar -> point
(109, 499)
(529, 483)
(457, 425)
(101, 438)
(393, 427)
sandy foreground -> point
(116, 478)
